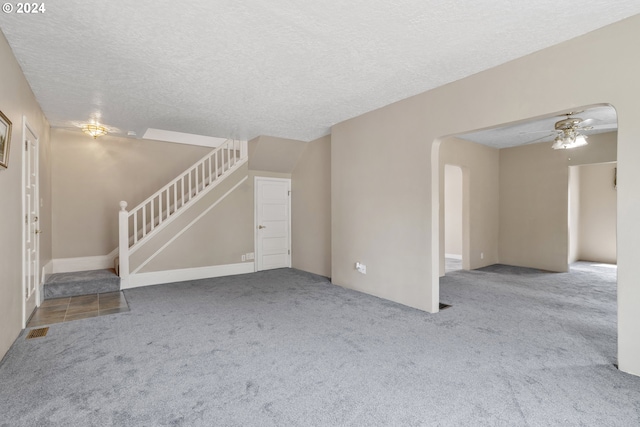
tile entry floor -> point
(65, 309)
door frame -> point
(256, 179)
(26, 127)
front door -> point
(31, 226)
(273, 223)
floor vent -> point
(38, 333)
(443, 306)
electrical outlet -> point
(250, 255)
(244, 257)
(361, 268)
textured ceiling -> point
(283, 68)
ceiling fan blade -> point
(534, 131)
(540, 139)
(611, 126)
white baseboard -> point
(66, 265)
(453, 256)
(169, 276)
(47, 270)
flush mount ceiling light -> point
(94, 130)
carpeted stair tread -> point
(81, 283)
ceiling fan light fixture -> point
(94, 130)
(569, 139)
(579, 141)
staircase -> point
(139, 224)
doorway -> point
(592, 213)
(540, 210)
(31, 228)
(453, 225)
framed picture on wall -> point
(5, 139)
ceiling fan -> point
(569, 132)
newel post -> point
(243, 149)
(123, 244)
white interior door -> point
(273, 223)
(31, 226)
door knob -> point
(261, 227)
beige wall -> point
(597, 227)
(91, 177)
(385, 168)
(602, 148)
(534, 201)
(271, 154)
(534, 211)
(380, 210)
(16, 101)
(311, 209)
(452, 210)
(480, 169)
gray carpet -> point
(81, 283)
(287, 348)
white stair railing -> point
(166, 204)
